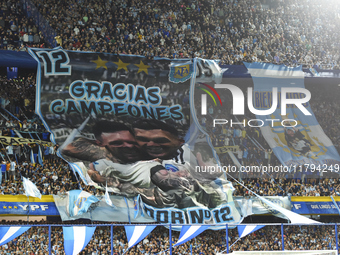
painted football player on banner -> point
(130, 123)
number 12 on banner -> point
(55, 62)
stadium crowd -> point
(18, 93)
(16, 29)
(290, 32)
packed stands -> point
(289, 32)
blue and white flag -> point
(335, 204)
(190, 231)
(7, 234)
(314, 72)
(247, 229)
(295, 136)
(76, 238)
(32, 157)
(107, 198)
(135, 234)
(31, 189)
(292, 216)
(79, 202)
(40, 157)
(137, 207)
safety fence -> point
(154, 238)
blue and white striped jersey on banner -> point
(76, 238)
(190, 231)
(7, 234)
(247, 229)
(79, 202)
(30, 188)
(135, 234)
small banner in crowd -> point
(79, 202)
(6, 140)
(76, 238)
(40, 156)
(32, 157)
(30, 188)
(135, 234)
(7, 234)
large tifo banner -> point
(283, 107)
(133, 133)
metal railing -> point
(173, 226)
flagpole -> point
(49, 240)
(282, 238)
(235, 242)
(28, 209)
(111, 239)
(227, 238)
(2, 157)
(4, 116)
(23, 113)
(170, 239)
(5, 152)
(336, 238)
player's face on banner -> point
(290, 132)
(122, 145)
(157, 143)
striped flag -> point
(79, 202)
(30, 188)
(135, 234)
(190, 231)
(40, 156)
(7, 234)
(76, 238)
(108, 199)
(247, 229)
(32, 157)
